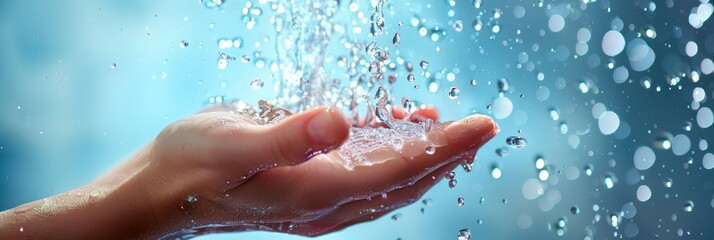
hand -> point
(219, 171)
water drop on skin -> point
(191, 199)
(430, 149)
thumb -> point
(300, 137)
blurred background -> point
(612, 97)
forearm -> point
(117, 211)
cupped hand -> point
(220, 171)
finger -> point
(394, 168)
(324, 182)
(215, 108)
(291, 141)
(399, 112)
(303, 135)
(424, 113)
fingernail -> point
(476, 126)
(321, 128)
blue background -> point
(66, 116)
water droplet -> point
(452, 183)
(495, 172)
(688, 206)
(473, 82)
(543, 174)
(608, 181)
(450, 175)
(502, 151)
(210, 4)
(614, 220)
(381, 110)
(427, 202)
(643, 193)
(464, 234)
(563, 127)
(407, 105)
(410, 78)
(191, 199)
(222, 63)
(424, 65)
(560, 226)
(183, 44)
(502, 85)
(516, 141)
(453, 93)
(539, 162)
(588, 170)
(397, 216)
(396, 40)
(257, 83)
(460, 201)
(574, 210)
(430, 149)
(245, 58)
(114, 65)
(458, 25)
(477, 23)
(644, 158)
(667, 182)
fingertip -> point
(475, 128)
(424, 113)
(398, 112)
